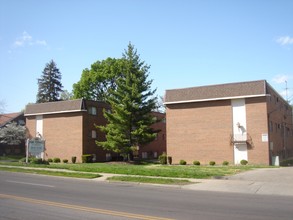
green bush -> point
(65, 161)
(87, 158)
(212, 163)
(50, 160)
(37, 161)
(225, 163)
(182, 162)
(56, 160)
(243, 162)
(196, 163)
(163, 158)
(73, 159)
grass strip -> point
(51, 173)
(156, 170)
(149, 180)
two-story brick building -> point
(68, 128)
(228, 122)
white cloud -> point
(285, 40)
(280, 79)
(26, 39)
(41, 42)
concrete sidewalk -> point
(267, 181)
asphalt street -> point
(28, 196)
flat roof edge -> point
(214, 99)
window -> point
(92, 110)
(108, 157)
(94, 134)
(144, 155)
(155, 154)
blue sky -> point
(187, 43)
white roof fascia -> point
(215, 99)
(57, 112)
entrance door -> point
(240, 152)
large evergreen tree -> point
(132, 102)
(50, 85)
(95, 82)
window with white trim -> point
(94, 134)
(144, 155)
(92, 110)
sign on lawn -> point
(36, 146)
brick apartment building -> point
(68, 128)
(229, 122)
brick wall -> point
(200, 131)
(257, 125)
(63, 135)
(157, 146)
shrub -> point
(196, 162)
(65, 161)
(182, 162)
(169, 160)
(73, 159)
(56, 160)
(243, 162)
(212, 163)
(37, 161)
(225, 163)
(87, 158)
(50, 160)
(163, 158)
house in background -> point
(19, 119)
(229, 122)
(68, 128)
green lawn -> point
(51, 173)
(189, 171)
(149, 180)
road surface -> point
(28, 196)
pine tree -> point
(50, 85)
(131, 105)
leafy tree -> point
(131, 105)
(2, 106)
(65, 95)
(12, 134)
(96, 82)
(50, 85)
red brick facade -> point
(203, 129)
(70, 130)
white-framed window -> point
(155, 154)
(108, 157)
(144, 155)
(92, 110)
(94, 134)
